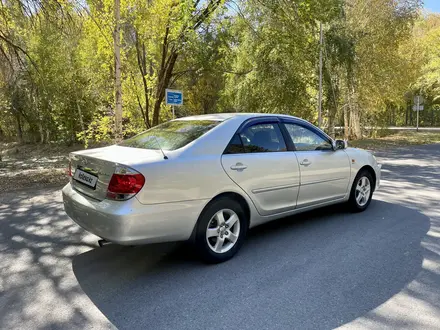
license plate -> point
(86, 178)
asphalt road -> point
(321, 270)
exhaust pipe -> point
(103, 242)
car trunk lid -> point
(92, 169)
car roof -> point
(225, 116)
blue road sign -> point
(173, 97)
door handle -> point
(238, 167)
(305, 162)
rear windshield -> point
(171, 135)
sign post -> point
(173, 98)
(418, 106)
(418, 109)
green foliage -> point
(57, 63)
(274, 66)
(99, 130)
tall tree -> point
(377, 29)
(118, 83)
(171, 28)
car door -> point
(324, 172)
(258, 160)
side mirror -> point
(340, 145)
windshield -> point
(171, 135)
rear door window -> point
(171, 135)
(263, 137)
(235, 146)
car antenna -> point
(157, 141)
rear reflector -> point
(124, 184)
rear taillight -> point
(124, 184)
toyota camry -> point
(210, 178)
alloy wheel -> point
(363, 191)
(223, 231)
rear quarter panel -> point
(193, 172)
(183, 179)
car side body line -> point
(261, 190)
(322, 181)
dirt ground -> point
(396, 139)
(29, 166)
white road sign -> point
(418, 99)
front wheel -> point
(221, 230)
(361, 191)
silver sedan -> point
(210, 178)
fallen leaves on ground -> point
(29, 166)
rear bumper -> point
(130, 222)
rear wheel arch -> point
(217, 235)
(231, 195)
(240, 199)
(234, 196)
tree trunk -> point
(164, 80)
(346, 123)
(19, 129)
(39, 133)
(142, 65)
(81, 123)
(406, 115)
(118, 84)
(333, 110)
(206, 107)
(355, 127)
(331, 124)
(390, 111)
(41, 130)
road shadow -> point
(329, 264)
(37, 244)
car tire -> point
(221, 230)
(361, 191)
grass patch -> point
(397, 139)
